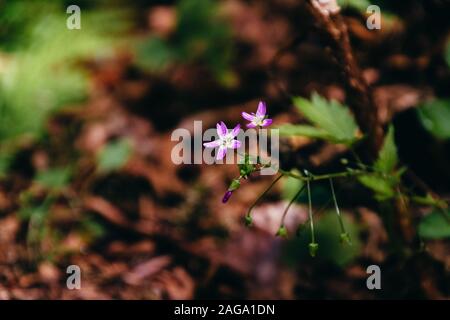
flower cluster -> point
(227, 140)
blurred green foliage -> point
(5, 162)
(360, 5)
(114, 155)
(435, 117)
(202, 36)
(38, 65)
(436, 225)
(291, 186)
(54, 178)
(320, 192)
(91, 229)
(447, 53)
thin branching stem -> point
(338, 212)
(290, 204)
(311, 222)
(264, 193)
(311, 177)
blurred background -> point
(86, 176)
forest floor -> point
(156, 230)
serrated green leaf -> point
(289, 130)
(382, 187)
(436, 225)
(330, 117)
(435, 117)
(387, 158)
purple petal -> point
(221, 129)
(236, 144)
(212, 144)
(221, 153)
(251, 125)
(266, 122)
(261, 109)
(227, 196)
(247, 116)
(235, 131)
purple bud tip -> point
(227, 196)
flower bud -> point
(227, 196)
(248, 220)
(345, 238)
(313, 247)
(282, 232)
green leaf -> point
(436, 225)
(387, 158)
(330, 117)
(435, 117)
(289, 130)
(54, 178)
(382, 187)
(114, 155)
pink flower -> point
(226, 140)
(257, 119)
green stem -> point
(341, 223)
(324, 176)
(264, 193)
(311, 222)
(290, 204)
